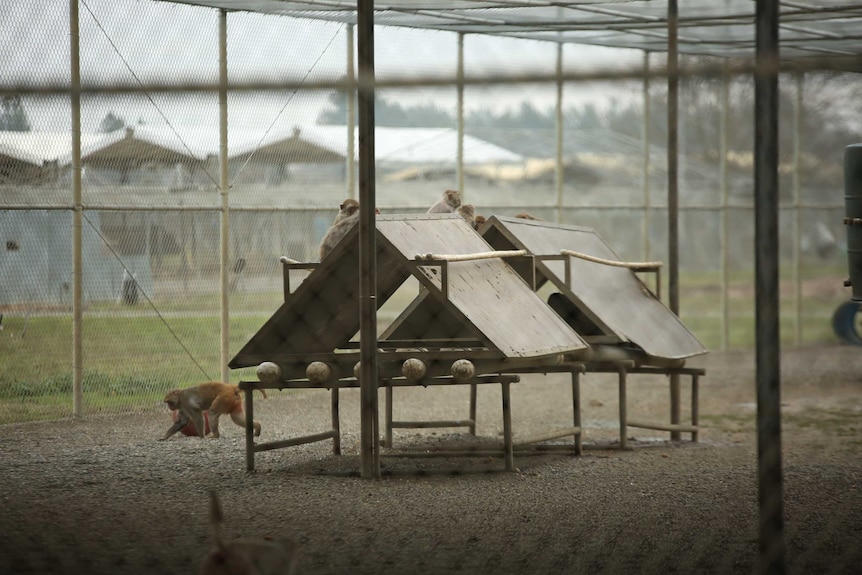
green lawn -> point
(132, 355)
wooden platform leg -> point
(473, 393)
(387, 440)
(694, 406)
(508, 447)
(674, 406)
(336, 423)
(576, 410)
(623, 414)
(249, 430)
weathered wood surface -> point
(487, 293)
(323, 311)
(486, 300)
(614, 296)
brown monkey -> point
(447, 204)
(215, 398)
(247, 556)
(468, 212)
(479, 221)
(347, 216)
(527, 216)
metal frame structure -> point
(706, 27)
(765, 36)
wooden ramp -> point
(613, 299)
(486, 295)
(483, 300)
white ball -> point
(414, 369)
(269, 372)
(463, 369)
(318, 372)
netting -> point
(151, 219)
(198, 254)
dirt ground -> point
(104, 496)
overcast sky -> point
(122, 40)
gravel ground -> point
(103, 496)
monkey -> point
(215, 398)
(468, 212)
(246, 556)
(347, 216)
(479, 221)
(447, 204)
(526, 216)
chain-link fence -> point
(152, 212)
(192, 206)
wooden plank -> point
(432, 424)
(323, 311)
(486, 301)
(486, 293)
(664, 426)
(295, 441)
(613, 295)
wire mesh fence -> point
(174, 257)
(152, 206)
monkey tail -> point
(216, 518)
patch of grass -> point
(844, 423)
(730, 422)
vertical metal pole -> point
(369, 449)
(558, 120)
(725, 197)
(224, 186)
(797, 219)
(460, 87)
(77, 217)
(351, 118)
(770, 481)
(646, 165)
(673, 189)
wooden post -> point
(508, 447)
(369, 452)
(673, 188)
(224, 190)
(473, 396)
(767, 297)
(336, 423)
(249, 430)
(623, 414)
(77, 217)
(694, 404)
(576, 409)
(388, 432)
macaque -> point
(347, 216)
(468, 212)
(479, 221)
(447, 204)
(246, 556)
(526, 216)
(215, 398)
